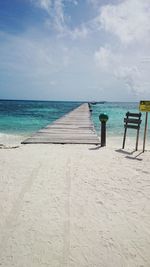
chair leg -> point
(137, 140)
(124, 138)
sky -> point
(88, 50)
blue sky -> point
(75, 49)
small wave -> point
(10, 139)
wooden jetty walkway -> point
(76, 127)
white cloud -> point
(58, 19)
(74, 2)
(80, 32)
(96, 3)
(132, 69)
(44, 4)
(57, 69)
(55, 11)
(93, 2)
(129, 20)
(104, 58)
(126, 56)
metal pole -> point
(103, 117)
(103, 133)
(145, 131)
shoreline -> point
(11, 139)
(111, 141)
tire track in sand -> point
(66, 241)
(11, 220)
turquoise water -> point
(26, 117)
(116, 112)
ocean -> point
(22, 117)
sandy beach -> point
(73, 72)
(74, 206)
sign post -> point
(145, 131)
(145, 107)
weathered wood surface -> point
(76, 127)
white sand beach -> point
(74, 206)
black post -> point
(103, 119)
(103, 133)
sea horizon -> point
(82, 101)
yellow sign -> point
(145, 106)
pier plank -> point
(76, 127)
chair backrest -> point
(132, 120)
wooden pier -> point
(76, 127)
